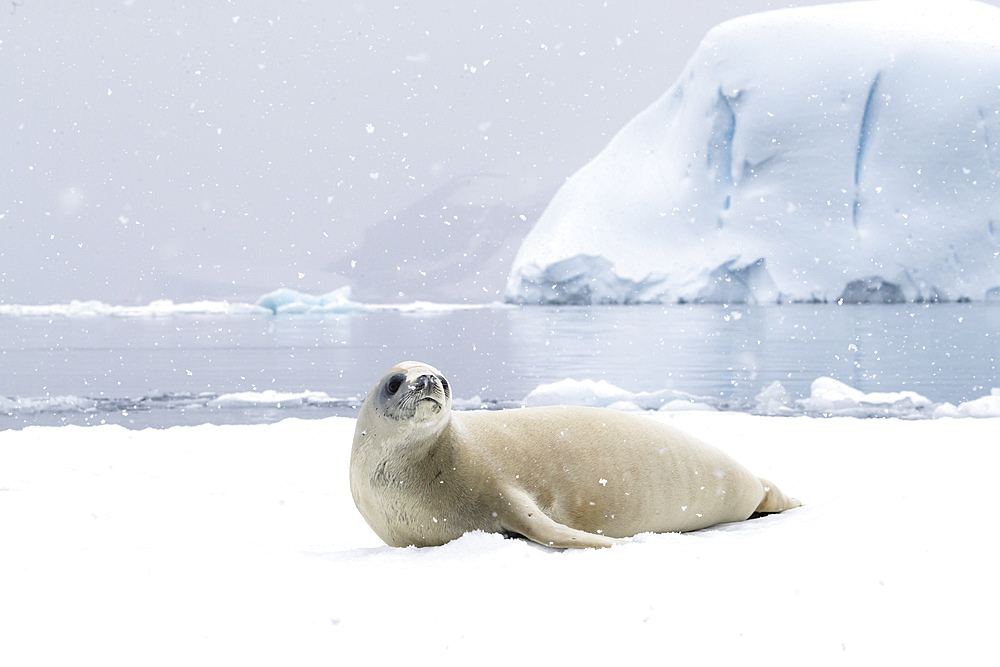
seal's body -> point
(561, 476)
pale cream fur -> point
(561, 476)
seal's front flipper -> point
(774, 500)
(522, 516)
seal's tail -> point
(774, 500)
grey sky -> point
(220, 150)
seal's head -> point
(411, 391)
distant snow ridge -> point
(285, 301)
(282, 301)
(160, 308)
(835, 153)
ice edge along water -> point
(828, 397)
(859, 162)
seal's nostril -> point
(422, 382)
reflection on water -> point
(947, 352)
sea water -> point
(185, 368)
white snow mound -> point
(841, 152)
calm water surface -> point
(165, 371)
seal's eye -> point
(393, 384)
(444, 386)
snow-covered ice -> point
(838, 152)
(241, 545)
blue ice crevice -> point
(989, 146)
(719, 155)
(869, 125)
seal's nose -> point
(421, 383)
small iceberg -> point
(288, 301)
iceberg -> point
(846, 152)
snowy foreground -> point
(241, 545)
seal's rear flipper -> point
(774, 500)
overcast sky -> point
(189, 150)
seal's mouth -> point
(435, 404)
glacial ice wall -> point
(840, 152)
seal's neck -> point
(407, 440)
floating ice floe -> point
(46, 404)
(827, 397)
(601, 393)
(270, 399)
(986, 406)
(832, 397)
